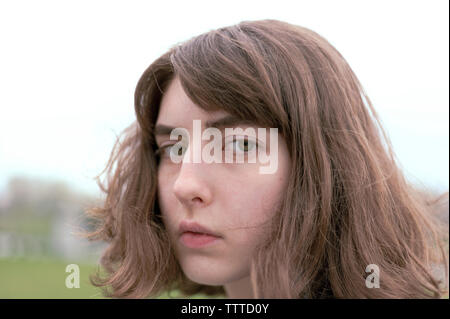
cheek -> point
(259, 197)
(249, 210)
(253, 207)
(166, 200)
(161, 194)
(165, 195)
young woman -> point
(335, 219)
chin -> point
(209, 278)
(207, 273)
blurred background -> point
(67, 76)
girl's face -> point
(231, 200)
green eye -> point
(167, 150)
(176, 151)
(243, 145)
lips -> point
(193, 227)
(194, 235)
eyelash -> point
(160, 150)
(245, 139)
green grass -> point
(46, 278)
(43, 278)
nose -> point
(191, 186)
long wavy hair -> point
(347, 204)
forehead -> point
(177, 109)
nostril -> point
(197, 200)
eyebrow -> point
(223, 122)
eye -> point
(242, 145)
(167, 150)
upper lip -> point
(186, 226)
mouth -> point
(194, 235)
(197, 240)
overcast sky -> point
(68, 70)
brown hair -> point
(347, 204)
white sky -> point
(68, 70)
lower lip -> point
(197, 240)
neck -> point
(239, 289)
